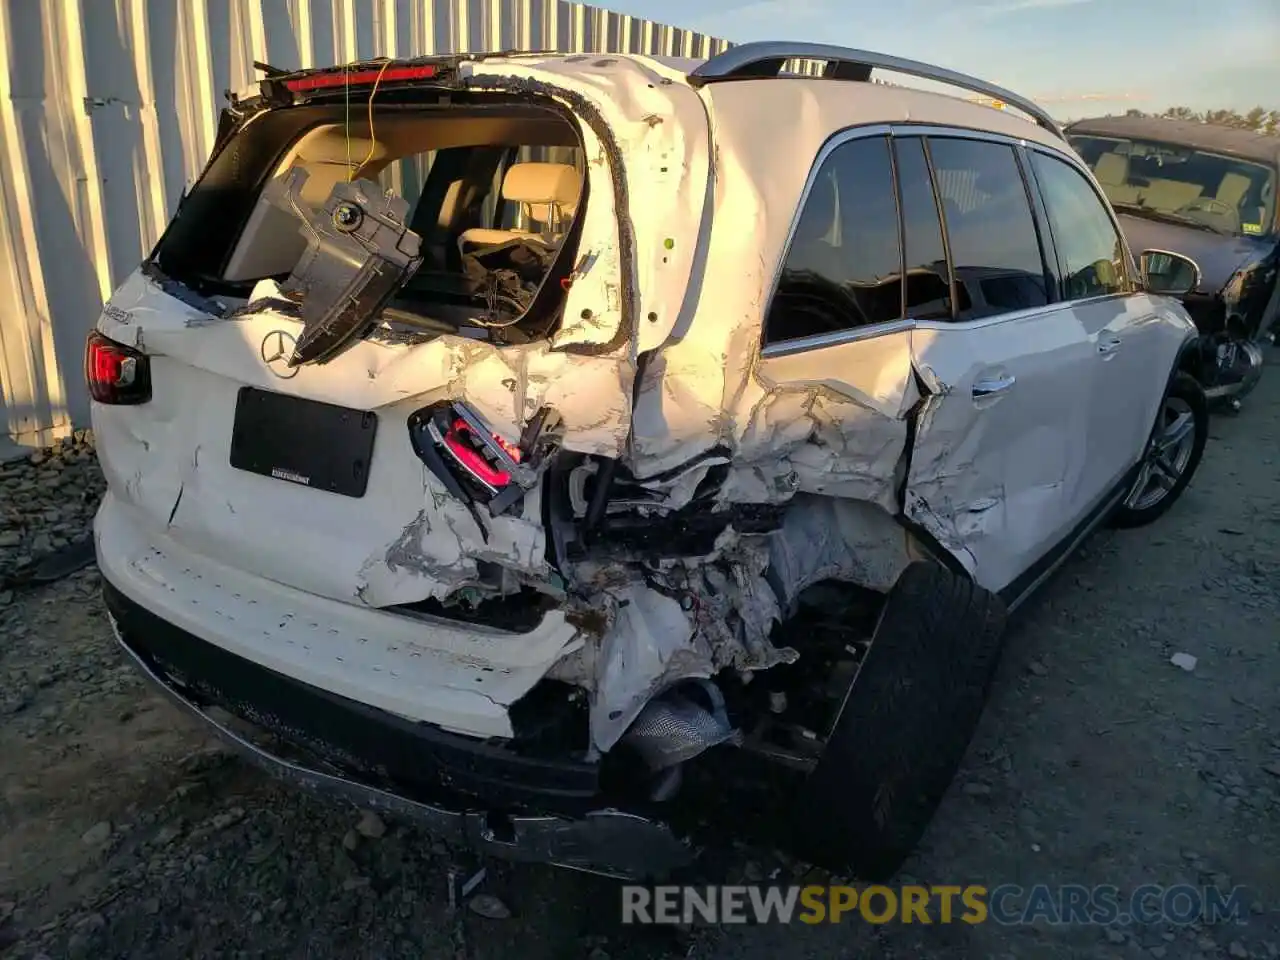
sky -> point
(1077, 58)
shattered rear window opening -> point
(448, 219)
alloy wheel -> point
(1167, 457)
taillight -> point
(116, 373)
(473, 453)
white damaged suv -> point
(585, 455)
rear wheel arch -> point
(1190, 360)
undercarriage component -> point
(676, 726)
(359, 253)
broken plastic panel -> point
(473, 462)
(359, 254)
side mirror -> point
(1167, 273)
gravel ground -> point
(125, 833)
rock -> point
(223, 820)
(598, 953)
(1238, 949)
(350, 840)
(975, 789)
(1115, 936)
(262, 852)
(10, 538)
(371, 826)
(151, 906)
(97, 835)
(1184, 661)
(488, 906)
(1272, 768)
(1037, 668)
(1159, 952)
(167, 834)
(355, 883)
(91, 922)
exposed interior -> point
(491, 188)
(1224, 193)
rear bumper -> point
(407, 769)
(455, 676)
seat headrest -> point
(541, 185)
(1112, 168)
(1233, 188)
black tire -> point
(905, 725)
(1186, 391)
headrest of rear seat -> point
(540, 184)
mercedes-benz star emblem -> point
(277, 347)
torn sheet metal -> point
(405, 540)
(998, 479)
(649, 647)
(823, 538)
(661, 127)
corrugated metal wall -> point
(107, 113)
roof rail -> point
(766, 59)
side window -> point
(1088, 245)
(843, 268)
(994, 245)
(928, 276)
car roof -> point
(1216, 138)
(854, 102)
(842, 104)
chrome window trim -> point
(872, 331)
(786, 348)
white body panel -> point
(460, 677)
(1003, 476)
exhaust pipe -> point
(680, 724)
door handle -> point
(992, 387)
(1108, 346)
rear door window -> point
(1087, 241)
(995, 247)
(843, 267)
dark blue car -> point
(1210, 193)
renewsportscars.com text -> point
(1007, 904)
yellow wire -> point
(346, 120)
(373, 144)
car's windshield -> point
(1164, 180)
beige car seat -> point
(548, 193)
(1112, 172)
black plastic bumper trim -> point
(603, 841)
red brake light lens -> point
(116, 373)
(355, 78)
(467, 450)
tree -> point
(1259, 118)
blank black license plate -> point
(302, 441)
